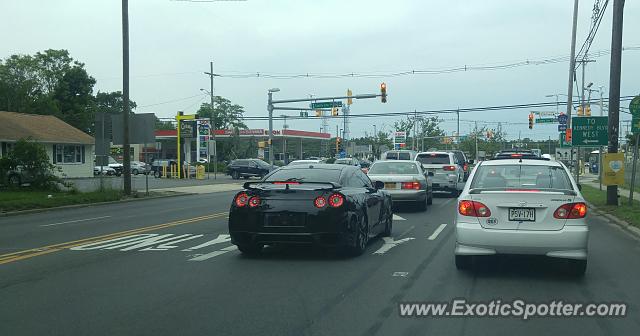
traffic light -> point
(383, 92)
(568, 135)
(338, 144)
(349, 94)
(580, 113)
(587, 110)
(530, 120)
(334, 111)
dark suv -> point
(461, 160)
(247, 168)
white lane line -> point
(214, 253)
(389, 243)
(435, 233)
(397, 218)
(76, 221)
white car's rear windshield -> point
(521, 177)
(395, 168)
(433, 158)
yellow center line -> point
(15, 256)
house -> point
(68, 148)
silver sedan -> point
(405, 181)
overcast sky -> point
(172, 43)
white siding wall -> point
(75, 169)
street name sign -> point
(330, 104)
(546, 120)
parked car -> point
(138, 167)
(402, 154)
(522, 205)
(327, 205)
(248, 168)
(19, 176)
(447, 174)
(117, 166)
(104, 170)
(405, 181)
(462, 161)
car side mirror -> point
(378, 184)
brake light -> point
(242, 199)
(466, 167)
(571, 211)
(254, 201)
(336, 200)
(411, 185)
(516, 155)
(449, 168)
(320, 202)
(473, 209)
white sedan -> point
(522, 205)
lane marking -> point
(397, 218)
(389, 243)
(220, 239)
(20, 255)
(214, 254)
(400, 274)
(76, 221)
(435, 233)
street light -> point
(270, 109)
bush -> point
(30, 159)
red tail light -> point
(466, 167)
(516, 155)
(571, 211)
(336, 200)
(411, 185)
(473, 209)
(254, 201)
(241, 200)
(320, 202)
(449, 168)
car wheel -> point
(156, 174)
(463, 262)
(250, 249)
(430, 199)
(577, 268)
(14, 180)
(235, 175)
(454, 193)
(134, 172)
(388, 227)
(118, 174)
(361, 236)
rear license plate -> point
(288, 219)
(389, 185)
(522, 214)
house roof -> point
(43, 128)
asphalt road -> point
(81, 272)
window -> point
(433, 158)
(68, 153)
(366, 182)
(352, 181)
(394, 168)
(521, 177)
(303, 174)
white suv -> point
(522, 206)
(447, 173)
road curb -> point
(628, 228)
(73, 206)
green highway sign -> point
(563, 140)
(546, 120)
(635, 125)
(634, 106)
(330, 104)
(590, 131)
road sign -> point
(563, 118)
(546, 120)
(542, 114)
(634, 106)
(590, 131)
(635, 125)
(330, 104)
(565, 153)
(562, 127)
(563, 140)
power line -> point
(171, 101)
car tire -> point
(235, 175)
(156, 174)
(250, 249)
(361, 237)
(577, 268)
(134, 172)
(118, 174)
(463, 262)
(246, 177)
(14, 180)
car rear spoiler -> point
(563, 191)
(330, 185)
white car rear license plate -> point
(522, 214)
(389, 185)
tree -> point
(428, 131)
(31, 159)
(228, 115)
(164, 124)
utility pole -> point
(284, 140)
(458, 133)
(572, 66)
(614, 89)
(415, 129)
(125, 98)
(212, 122)
(476, 131)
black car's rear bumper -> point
(247, 227)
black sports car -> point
(322, 204)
